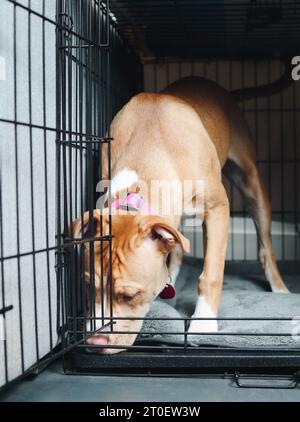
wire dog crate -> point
(152, 29)
(79, 63)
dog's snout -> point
(98, 340)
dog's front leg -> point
(210, 281)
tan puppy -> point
(190, 131)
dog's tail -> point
(266, 90)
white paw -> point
(203, 310)
(203, 326)
(280, 290)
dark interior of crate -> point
(211, 29)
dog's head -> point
(140, 247)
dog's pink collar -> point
(133, 202)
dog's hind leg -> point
(242, 171)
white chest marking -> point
(122, 180)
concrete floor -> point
(53, 385)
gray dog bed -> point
(242, 298)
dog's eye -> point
(126, 293)
(126, 298)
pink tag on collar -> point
(168, 292)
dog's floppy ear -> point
(167, 235)
(87, 225)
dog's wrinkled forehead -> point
(129, 230)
